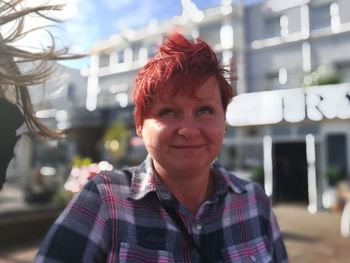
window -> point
(276, 80)
(281, 130)
(143, 53)
(152, 50)
(251, 156)
(124, 56)
(272, 27)
(343, 68)
(271, 81)
(211, 33)
(104, 60)
(128, 55)
(320, 16)
(337, 152)
(71, 91)
(309, 128)
(120, 56)
(284, 26)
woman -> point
(15, 103)
(179, 205)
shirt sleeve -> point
(81, 233)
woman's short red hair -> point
(183, 63)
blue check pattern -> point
(117, 217)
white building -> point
(295, 133)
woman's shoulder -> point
(243, 184)
(113, 183)
(116, 176)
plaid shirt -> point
(117, 217)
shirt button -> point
(198, 227)
(253, 258)
(166, 196)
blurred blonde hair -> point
(14, 83)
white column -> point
(268, 170)
(305, 21)
(306, 53)
(92, 84)
(311, 173)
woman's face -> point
(184, 134)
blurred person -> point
(180, 204)
(15, 103)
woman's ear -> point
(139, 129)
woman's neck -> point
(191, 190)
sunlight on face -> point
(183, 133)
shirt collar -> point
(145, 181)
(226, 180)
(142, 181)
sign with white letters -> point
(290, 105)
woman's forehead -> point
(196, 89)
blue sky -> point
(88, 21)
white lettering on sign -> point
(291, 105)
(328, 102)
(293, 101)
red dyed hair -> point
(180, 66)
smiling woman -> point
(180, 204)
(20, 69)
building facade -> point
(297, 130)
(282, 121)
(115, 61)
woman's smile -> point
(184, 133)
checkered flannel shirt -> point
(117, 217)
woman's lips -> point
(188, 146)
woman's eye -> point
(167, 112)
(205, 110)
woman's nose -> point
(188, 128)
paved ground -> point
(309, 238)
(312, 238)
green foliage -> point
(116, 140)
(62, 197)
(81, 161)
(257, 175)
(323, 75)
(117, 131)
(330, 78)
(334, 174)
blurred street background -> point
(288, 129)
